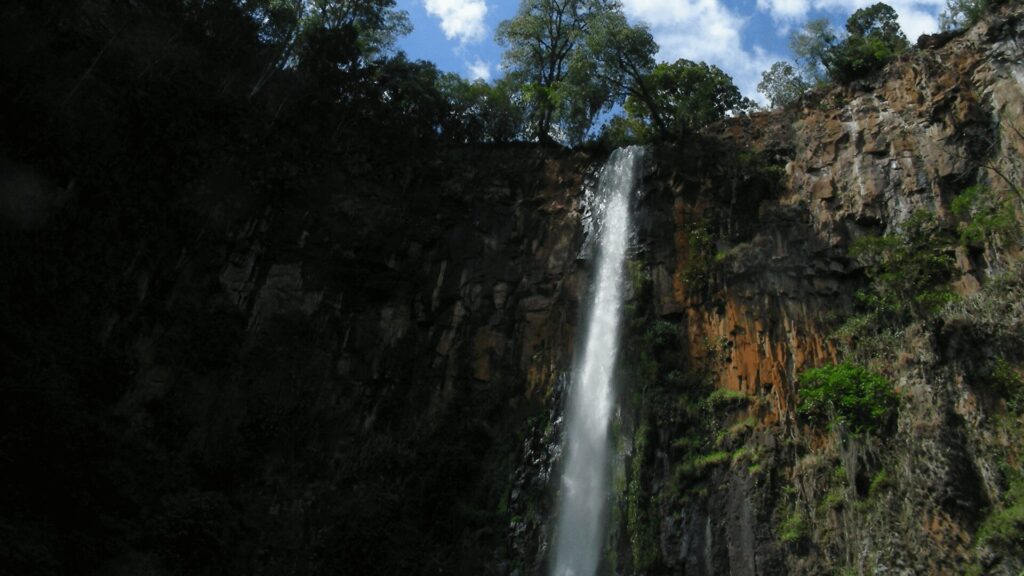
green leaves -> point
(811, 46)
(479, 112)
(578, 57)
(541, 40)
(984, 215)
(873, 38)
(909, 270)
(781, 84)
(960, 14)
(853, 395)
(682, 97)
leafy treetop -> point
(872, 39)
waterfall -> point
(580, 531)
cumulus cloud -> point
(786, 10)
(703, 30)
(460, 19)
(479, 70)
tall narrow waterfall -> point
(579, 537)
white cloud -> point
(786, 9)
(460, 19)
(479, 70)
(703, 30)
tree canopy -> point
(687, 96)
(781, 84)
(871, 40)
(572, 59)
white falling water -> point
(579, 535)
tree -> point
(541, 41)
(781, 84)
(873, 39)
(960, 14)
(812, 45)
(478, 111)
(621, 56)
(292, 29)
(686, 96)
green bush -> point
(793, 529)
(700, 266)
(1004, 529)
(879, 483)
(661, 335)
(722, 399)
(909, 270)
(853, 395)
(1008, 383)
(983, 214)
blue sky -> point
(743, 37)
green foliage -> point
(738, 430)
(1007, 382)
(641, 519)
(639, 280)
(793, 529)
(781, 84)
(616, 57)
(984, 215)
(863, 401)
(561, 89)
(909, 270)
(696, 466)
(700, 262)
(573, 59)
(961, 14)
(834, 498)
(879, 482)
(872, 39)
(621, 131)
(683, 97)
(1003, 529)
(858, 56)
(661, 334)
(722, 399)
(811, 45)
(478, 111)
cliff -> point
(366, 376)
(757, 280)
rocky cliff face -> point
(368, 380)
(755, 278)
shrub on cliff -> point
(909, 270)
(860, 399)
(985, 215)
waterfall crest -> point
(579, 536)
